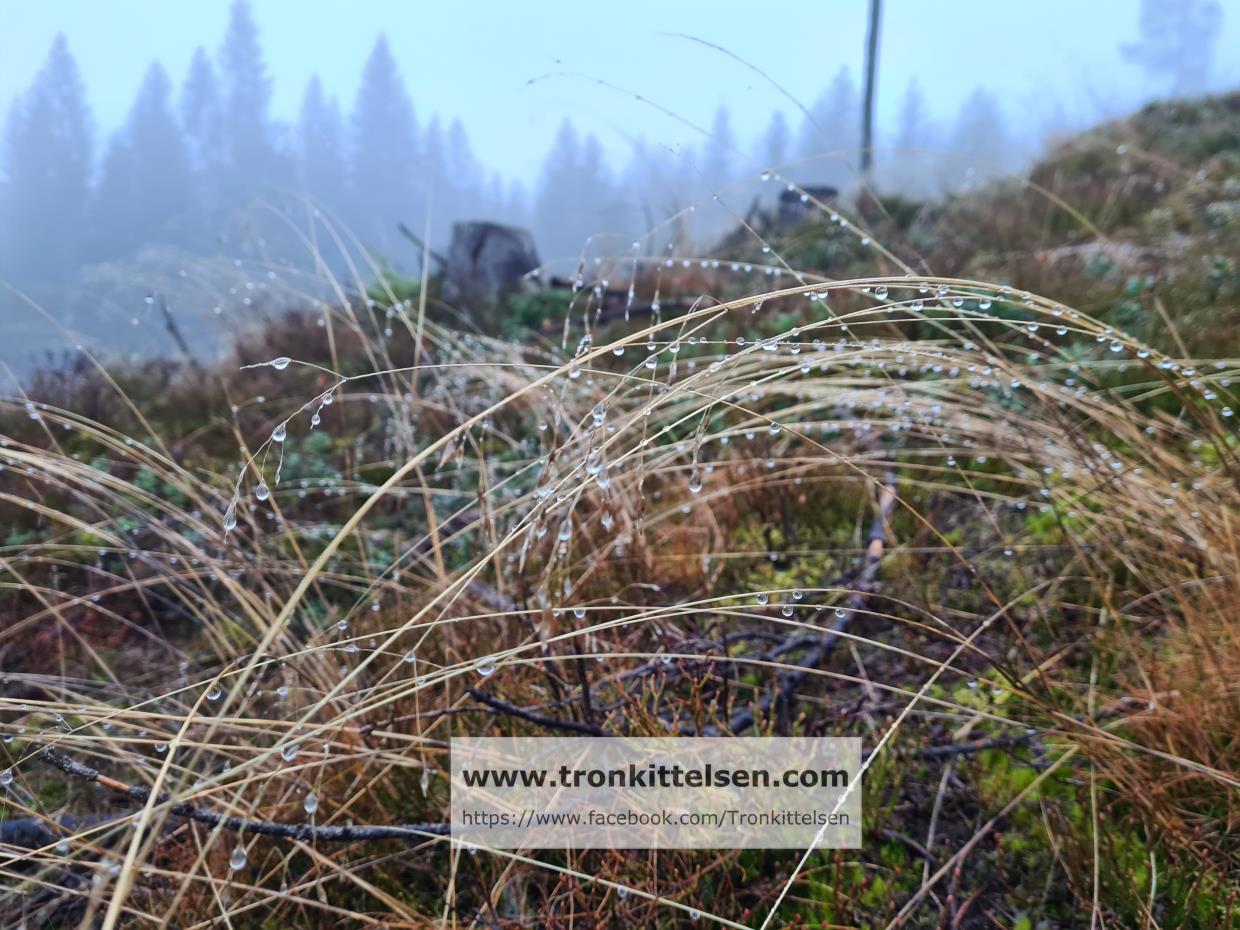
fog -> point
(199, 155)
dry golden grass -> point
(616, 529)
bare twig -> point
(911, 843)
(552, 723)
(422, 246)
(950, 750)
(303, 832)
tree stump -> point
(487, 260)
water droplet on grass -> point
(485, 666)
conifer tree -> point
(718, 154)
(773, 149)
(575, 197)
(467, 200)
(251, 163)
(1177, 42)
(47, 158)
(909, 164)
(320, 147)
(145, 192)
(385, 157)
(201, 113)
(981, 135)
(830, 135)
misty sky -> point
(1048, 62)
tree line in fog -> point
(193, 156)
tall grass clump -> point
(991, 534)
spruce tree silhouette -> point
(320, 147)
(145, 190)
(252, 166)
(47, 158)
(385, 156)
(202, 119)
(830, 135)
(1177, 42)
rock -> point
(487, 260)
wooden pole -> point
(867, 112)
